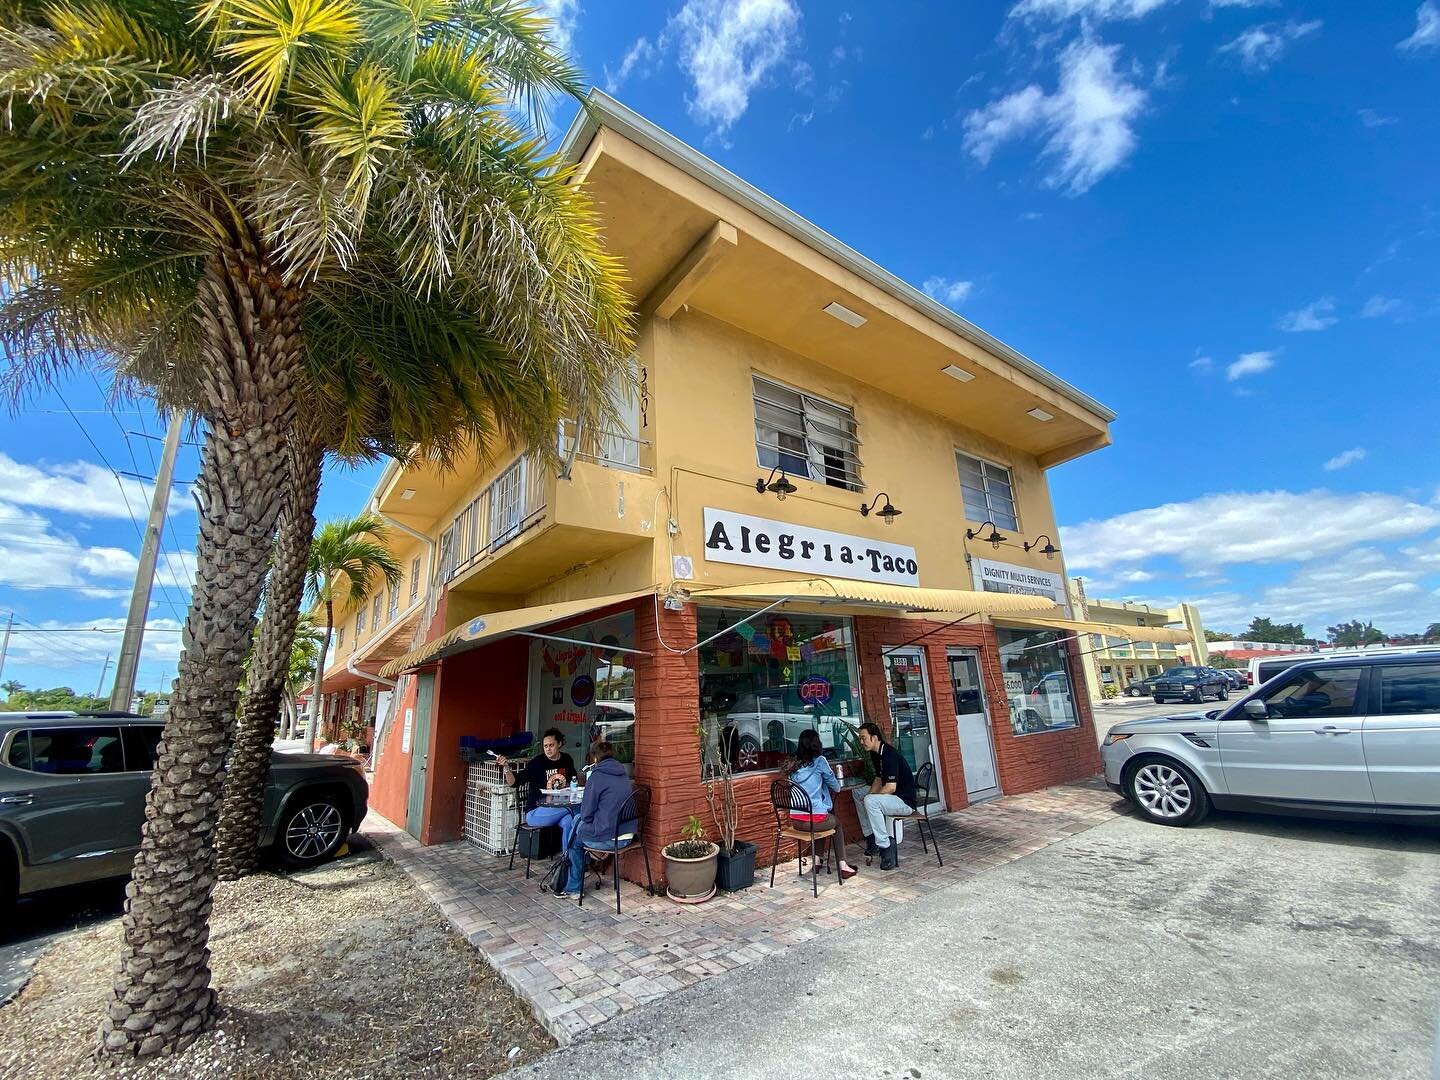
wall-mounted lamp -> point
(1049, 550)
(888, 512)
(780, 488)
(995, 537)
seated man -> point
(890, 794)
(606, 792)
(552, 768)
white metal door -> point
(972, 722)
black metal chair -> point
(924, 780)
(530, 830)
(635, 809)
(788, 798)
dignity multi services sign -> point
(782, 545)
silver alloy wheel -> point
(1163, 791)
(313, 831)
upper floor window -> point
(415, 579)
(987, 490)
(393, 607)
(806, 436)
(375, 611)
(360, 621)
(340, 638)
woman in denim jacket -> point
(813, 775)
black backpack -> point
(557, 876)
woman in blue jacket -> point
(606, 790)
(813, 775)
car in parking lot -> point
(1353, 737)
(1235, 677)
(1193, 684)
(72, 799)
(1144, 687)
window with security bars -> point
(415, 579)
(375, 613)
(392, 608)
(507, 504)
(988, 493)
(806, 436)
(360, 621)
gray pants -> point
(874, 809)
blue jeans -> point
(874, 809)
(576, 850)
(564, 816)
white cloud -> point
(1088, 121)
(639, 60)
(85, 651)
(34, 556)
(1261, 45)
(1245, 527)
(1094, 10)
(76, 487)
(1427, 29)
(1203, 364)
(1315, 316)
(728, 47)
(947, 290)
(1243, 3)
(1344, 458)
(564, 16)
(1372, 119)
(1251, 363)
(1379, 306)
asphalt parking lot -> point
(1247, 947)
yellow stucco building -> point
(726, 553)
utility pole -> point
(104, 670)
(5, 645)
(129, 661)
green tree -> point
(1281, 633)
(1355, 632)
(1222, 662)
(11, 687)
(1432, 632)
(260, 210)
(55, 699)
(1219, 635)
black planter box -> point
(540, 843)
(736, 871)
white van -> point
(1265, 668)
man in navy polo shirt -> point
(890, 794)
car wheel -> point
(311, 830)
(1167, 793)
(1224, 694)
(748, 756)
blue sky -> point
(1220, 218)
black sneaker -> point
(889, 858)
(870, 849)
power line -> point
(66, 649)
(72, 588)
(165, 527)
(95, 629)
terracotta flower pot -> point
(690, 880)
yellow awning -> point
(483, 629)
(876, 594)
(1162, 634)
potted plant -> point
(735, 865)
(690, 865)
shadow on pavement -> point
(1377, 835)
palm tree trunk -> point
(252, 352)
(317, 700)
(237, 842)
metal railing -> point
(504, 509)
(612, 449)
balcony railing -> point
(501, 512)
(612, 449)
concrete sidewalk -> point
(1250, 947)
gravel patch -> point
(346, 970)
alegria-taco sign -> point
(782, 545)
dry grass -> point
(342, 971)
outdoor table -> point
(562, 797)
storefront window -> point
(586, 690)
(765, 681)
(1037, 681)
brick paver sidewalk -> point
(578, 967)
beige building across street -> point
(1118, 660)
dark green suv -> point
(72, 799)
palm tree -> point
(259, 210)
(304, 655)
(11, 687)
(350, 553)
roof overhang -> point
(902, 598)
(1159, 634)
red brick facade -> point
(667, 720)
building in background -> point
(1119, 659)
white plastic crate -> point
(490, 814)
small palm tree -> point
(264, 210)
(304, 655)
(11, 687)
(349, 553)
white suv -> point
(1355, 737)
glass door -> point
(913, 734)
(972, 722)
